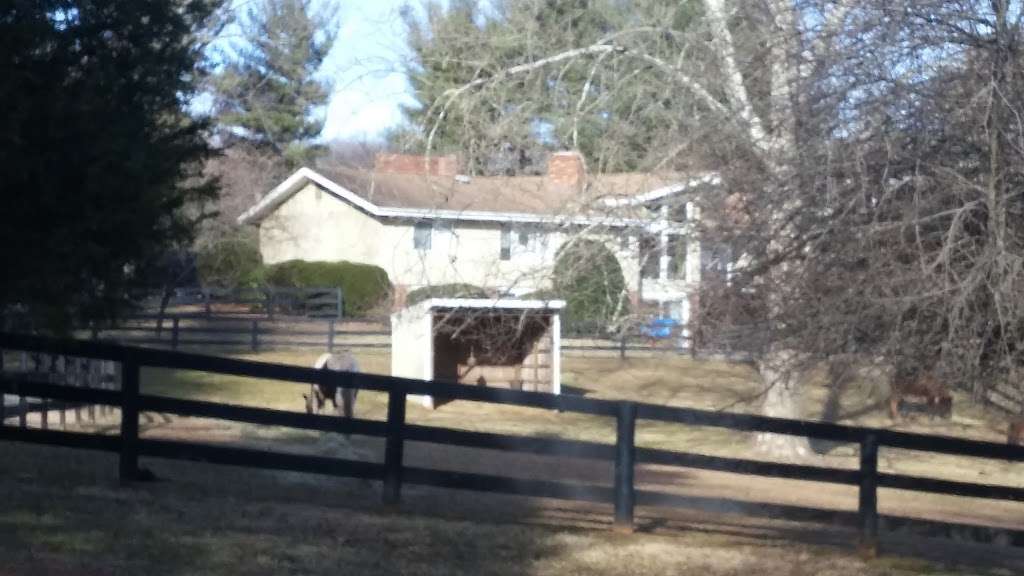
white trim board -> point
(302, 176)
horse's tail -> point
(322, 361)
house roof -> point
(490, 198)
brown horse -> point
(922, 389)
(1015, 436)
(344, 399)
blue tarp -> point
(659, 327)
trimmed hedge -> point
(363, 286)
(445, 291)
(588, 277)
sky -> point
(365, 66)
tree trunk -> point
(782, 398)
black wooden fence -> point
(256, 332)
(393, 473)
(245, 332)
(265, 300)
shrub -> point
(445, 291)
(363, 286)
(588, 277)
(231, 262)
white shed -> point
(505, 343)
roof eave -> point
(303, 176)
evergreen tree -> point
(99, 163)
(605, 109)
(267, 90)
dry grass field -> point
(63, 514)
(216, 514)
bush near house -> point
(587, 275)
(230, 262)
(363, 286)
(445, 291)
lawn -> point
(669, 380)
(62, 514)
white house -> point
(425, 224)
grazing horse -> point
(1015, 436)
(320, 394)
(924, 387)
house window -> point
(676, 257)
(444, 231)
(677, 212)
(650, 257)
(421, 235)
(716, 262)
(506, 243)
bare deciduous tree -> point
(869, 155)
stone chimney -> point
(567, 169)
(446, 166)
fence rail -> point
(266, 300)
(254, 333)
(176, 331)
(624, 454)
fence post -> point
(867, 508)
(394, 446)
(270, 303)
(22, 402)
(174, 333)
(625, 456)
(337, 303)
(330, 335)
(129, 465)
(622, 346)
(255, 335)
(44, 404)
(206, 299)
(3, 396)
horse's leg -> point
(320, 400)
(348, 399)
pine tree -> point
(605, 109)
(100, 163)
(267, 91)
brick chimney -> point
(447, 166)
(567, 169)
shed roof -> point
(491, 303)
